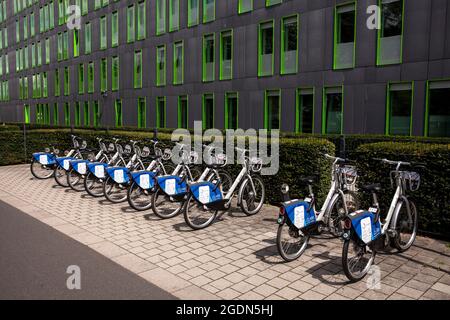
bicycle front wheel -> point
(138, 198)
(93, 185)
(75, 181)
(115, 192)
(163, 206)
(252, 200)
(60, 176)
(405, 225)
(337, 211)
(356, 260)
(291, 243)
(196, 215)
(40, 171)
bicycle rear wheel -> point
(40, 171)
(252, 201)
(356, 260)
(196, 215)
(138, 198)
(163, 206)
(291, 243)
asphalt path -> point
(34, 259)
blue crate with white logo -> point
(206, 192)
(64, 162)
(44, 158)
(300, 213)
(172, 185)
(80, 166)
(366, 225)
(144, 179)
(98, 169)
(120, 175)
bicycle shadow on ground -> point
(128, 209)
(183, 227)
(270, 254)
(106, 202)
(326, 268)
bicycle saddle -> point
(372, 187)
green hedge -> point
(433, 197)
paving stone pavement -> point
(235, 258)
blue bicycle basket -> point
(206, 192)
(64, 162)
(144, 179)
(80, 166)
(44, 158)
(300, 213)
(98, 169)
(172, 185)
(365, 226)
(119, 174)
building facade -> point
(321, 66)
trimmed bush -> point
(433, 197)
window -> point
(332, 110)
(141, 21)
(65, 45)
(131, 31)
(161, 65)
(304, 119)
(390, 36)
(193, 12)
(66, 81)
(272, 2)
(208, 57)
(399, 109)
(81, 78)
(26, 114)
(77, 114)
(76, 43)
(344, 36)
(66, 114)
(231, 110)
(265, 52)
(138, 69)
(272, 112)
(245, 6)
(118, 110)
(103, 36)
(47, 53)
(174, 16)
(87, 39)
(183, 112)
(226, 55)
(142, 113)
(115, 29)
(289, 45)
(115, 73)
(86, 114)
(91, 77)
(57, 83)
(209, 10)
(437, 116)
(178, 63)
(97, 114)
(160, 112)
(55, 114)
(104, 75)
(208, 111)
(84, 7)
(160, 17)
(44, 85)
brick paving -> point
(235, 258)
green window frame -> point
(142, 113)
(131, 30)
(141, 21)
(161, 65)
(115, 73)
(76, 43)
(333, 110)
(47, 53)
(174, 15)
(209, 57)
(55, 114)
(65, 46)
(114, 29)
(245, 6)
(60, 49)
(118, 113)
(193, 12)
(97, 114)
(437, 111)
(77, 114)
(161, 112)
(209, 10)
(138, 69)
(231, 110)
(86, 114)
(81, 78)
(208, 111)
(273, 2)
(87, 38)
(104, 75)
(289, 45)
(304, 112)
(178, 63)
(67, 114)
(66, 81)
(183, 112)
(226, 55)
(272, 109)
(266, 45)
(390, 34)
(57, 83)
(84, 7)
(160, 17)
(399, 108)
(44, 84)
(91, 77)
(344, 36)
(103, 33)
(26, 114)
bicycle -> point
(207, 198)
(43, 163)
(63, 163)
(365, 233)
(299, 219)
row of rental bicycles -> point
(147, 178)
